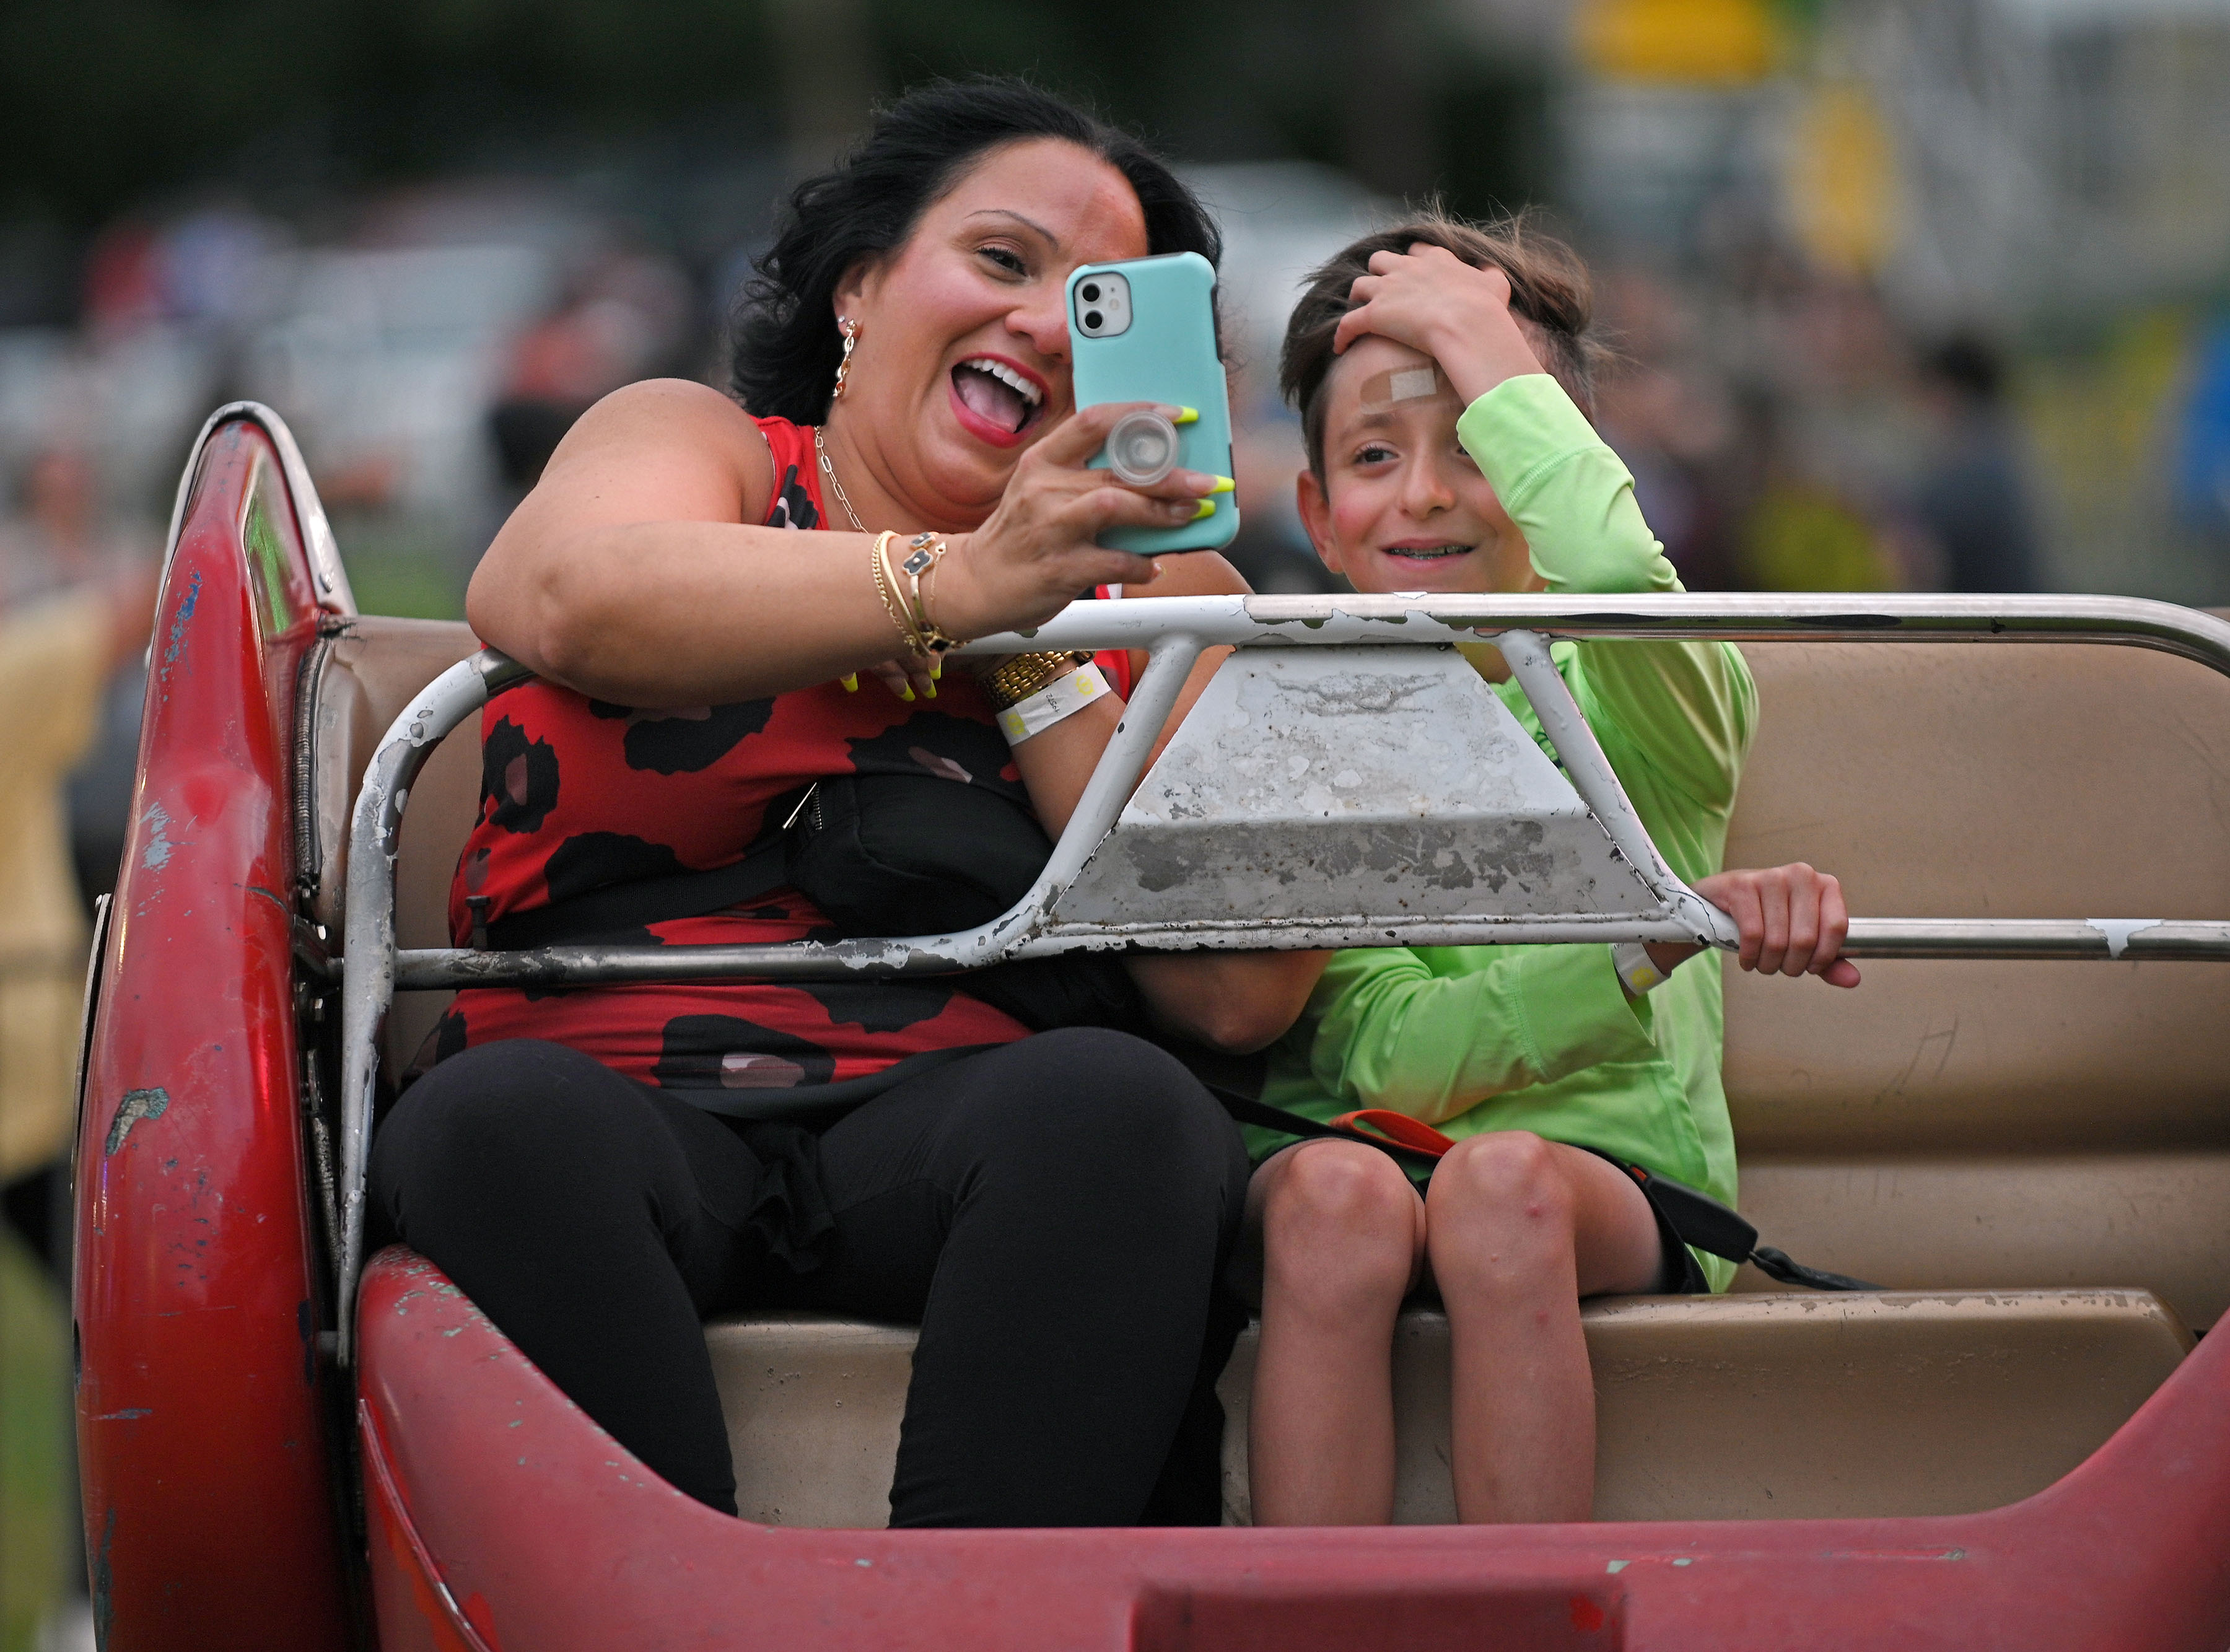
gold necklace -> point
(830, 471)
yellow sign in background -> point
(1842, 179)
(1715, 42)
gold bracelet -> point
(924, 552)
(930, 625)
(1020, 675)
(886, 588)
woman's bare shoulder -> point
(661, 403)
(658, 426)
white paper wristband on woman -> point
(1631, 960)
(1064, 696)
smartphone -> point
(1143, 330)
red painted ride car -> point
(2019, 1448)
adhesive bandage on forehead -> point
(1423, 383)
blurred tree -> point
(1392, 94)
(103, 100)
(106, 102)
(831, 76)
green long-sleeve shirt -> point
(1543, 1038)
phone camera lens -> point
(1091, 291)
(1092, 320)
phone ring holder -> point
(1142, 449)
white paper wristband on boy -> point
(1631, 960)
(1065, 696)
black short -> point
(1681, 1274)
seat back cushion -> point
(2044, 1124)
(367, 677)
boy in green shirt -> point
(1448, 451)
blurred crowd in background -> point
(1921, 294)
(1909, 294)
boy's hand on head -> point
(1431, 301)
(1791, 919)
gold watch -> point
(1020, 675)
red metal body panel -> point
(210, 1509)
(500, 1517)
(546, 1534)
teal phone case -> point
(1167, 355)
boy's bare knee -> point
(1341, 1217)
(1507, 1182)
(1355, 1189)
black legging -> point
(1053, 1213)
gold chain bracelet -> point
(886, 588)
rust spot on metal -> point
(104, 1581)
(137, 1105)
(177, 637)
(158, 854)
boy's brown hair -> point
(1549, 288)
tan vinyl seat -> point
(1735, 1407)
(2035, 1157)
(363, 677)
(2021, 1124)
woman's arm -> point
(628, 571)
(1238, 1002)
(633, 571)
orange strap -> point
(1397, 1127)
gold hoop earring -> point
(851, 331)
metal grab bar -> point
(2166, 939)
(1731, 616)
(1175, 630)
(445, 968)
(368, 968)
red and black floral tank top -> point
(578, 795)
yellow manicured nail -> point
(905, 692)
(935, 666)
(1223, 485)
(1187, 415)
(930, 689)
(851, 683)
(1206, 507)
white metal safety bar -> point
(1174, 632)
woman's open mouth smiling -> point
(996, 399)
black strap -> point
(1700, 1219)
(617, 907)
(1777, 1264)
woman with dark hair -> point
(599, 1168)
